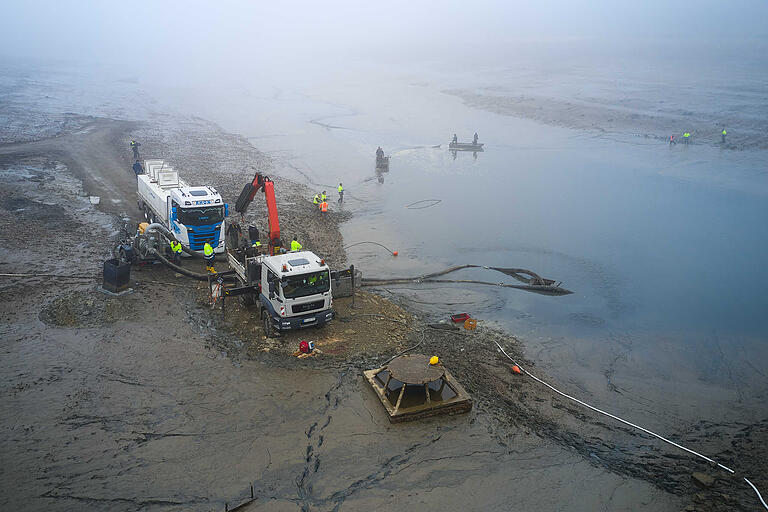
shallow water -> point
(655, 329)
(663, 246)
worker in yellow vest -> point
(686, 136)
(316, 199)
(209, 256)
(176, 252)
(341, 193)
(295, 245)
(723, 134)
(135, 148)
(323, 197)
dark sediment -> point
(102, 394)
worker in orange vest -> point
(324, 207)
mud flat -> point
(631, 117)
(156, 401)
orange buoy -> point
(394, 253)
(516, 369)
(470, 324)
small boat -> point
(465, 146)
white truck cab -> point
(194, 214)
(296, 289)
(293, 289)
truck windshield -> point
(201, 216)
(306, 284)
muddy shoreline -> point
(627, 119)
(99, 374)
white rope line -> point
(638, 427)
(758, 492)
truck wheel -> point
(266, 322)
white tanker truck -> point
(195, 215)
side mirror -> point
(226, 210)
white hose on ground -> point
(638, 427)
(758, 493)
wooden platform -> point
(410, 388)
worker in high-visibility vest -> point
(135, 147)
(295, 245)
(176, 252)
(686, 136)
(324, 207)
(209, 256)
(341, 193)
(323, 197)
(723, 134)
(316, 199)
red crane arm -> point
(274, 222)
(261, 182)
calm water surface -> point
(663, 247)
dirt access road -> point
(84, 153)
(153, 401)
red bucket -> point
(460, 317)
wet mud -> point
(157, 401)
(627, 117)
(89, 309)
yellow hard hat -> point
(433, 360)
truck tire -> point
(266, 323)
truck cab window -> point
(273, 282)
(201, 215)
(306, 284)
